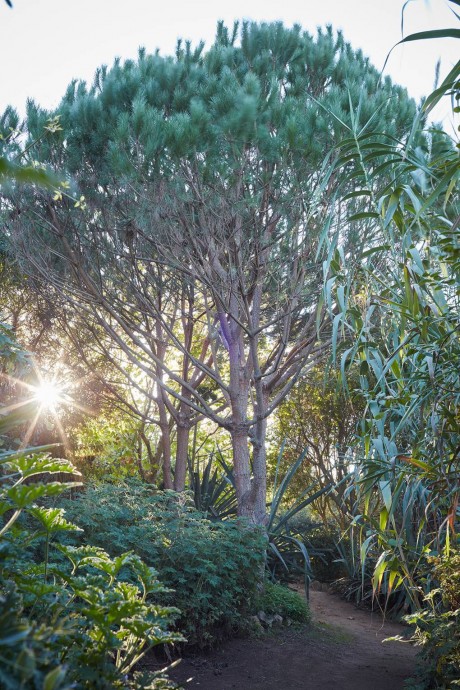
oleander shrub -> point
(213, 567)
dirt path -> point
(343, 650)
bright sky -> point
(46, 43)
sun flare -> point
(48, 394)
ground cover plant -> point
(279, 600)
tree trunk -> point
(182, 439)
(242, 473)
(154, 460)
(140, 467)
(259, 468)
(165, 443)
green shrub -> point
(213, 567)
(71, 617)
(438, 627)
(278, 599)
(86, 627)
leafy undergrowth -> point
(70, 616)
(211, 568)
(438, 629)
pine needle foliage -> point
(203, 174)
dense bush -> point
(438, 627)
(213, 568)
(399, 302)
(70, 616)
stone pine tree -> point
(205, 201)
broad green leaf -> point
(363, 215)
(11, 640)
(435, 33)
(23, 495)
(383, 519)
(385, 490)
(379, 571)
(363, 552)
(52, 519)
(447, 84)
(26, 174)
(29, 466)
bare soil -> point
(341, 650)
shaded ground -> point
(343, 650)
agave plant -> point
(214, 494)
(286, 547)
(213, 488)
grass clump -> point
(278, 599)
